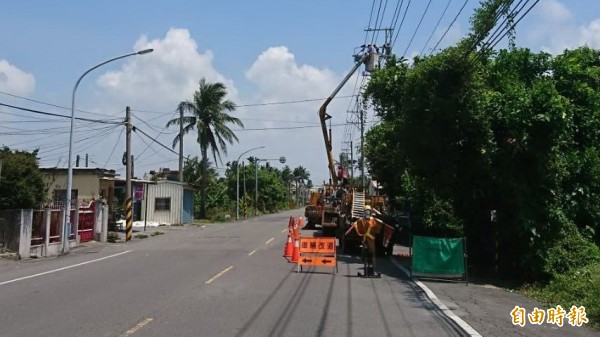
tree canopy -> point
(21, 182)
(515, 132)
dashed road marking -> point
(219, 275)
(252, 253)
(269, 241)
(137, 327)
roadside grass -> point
(141, 236)
(112, 237)
(200, 222)
(157, 233)
(578, 287)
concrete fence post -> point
(105, 216)
(25, 224)
(75, 228)
(47, 220)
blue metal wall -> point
(188, 206)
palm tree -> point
(208, 115)
(302, 175)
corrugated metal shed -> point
(171, 193)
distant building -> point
(169, 202)
(88, 183)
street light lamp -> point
(237, 189)
(67, 223)
(281, 160)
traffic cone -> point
(300, 222)
(289, 247)
(296, 251)
(291, 223)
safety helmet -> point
(367, 208)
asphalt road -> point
(221, 280)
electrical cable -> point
(376, 21)
(59, 115)
(51, 104)
(401, 22)
(449, 27)
(436, 26)
(113, 150)
(369, 25)
(416, 29)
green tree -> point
(208, 116)
(21, 182)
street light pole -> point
(67, 224)
(237, 189)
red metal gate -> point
(86, 222)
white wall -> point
(164, 189)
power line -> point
(113, 150)
(49, 104)
(290, 102)
(396, 14)
(448, 29)
(136, 129)
(369, 25)
(496, 36)
(482, 34)
(160, 133)
(376, 33)
(401, 22)
(436, 26)
(58, 115)
(285, 128)
(376, 21)
(416, 29)
(506, 29)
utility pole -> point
(362, 149)
(181, 145)
(351, 162)
(128, 201)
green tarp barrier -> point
(438, 256)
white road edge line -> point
(463, 325)
(219, 275)
(63, 268)
(269, 241)
(252, 252)
(137, 327)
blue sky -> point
(264, 51)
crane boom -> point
(323, 116)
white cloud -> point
(160, 80)
(278, 77)
(15, 80)
(554, 11)
(157, 82)
(554, 29)
(590, 34)
(164, 77)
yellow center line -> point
(137, 327)
(271, 239)
(252, 252)
(219, 275)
